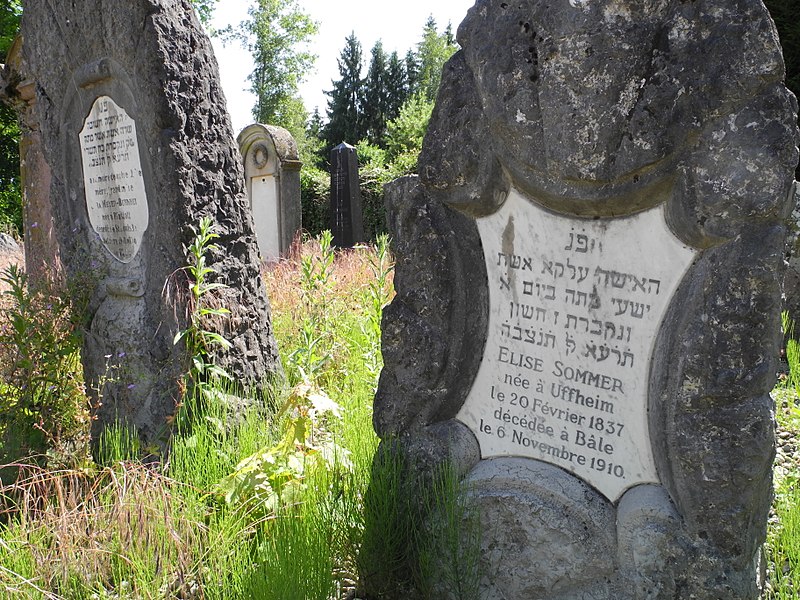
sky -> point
(398, 25)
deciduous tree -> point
(276, 34)
(432, 52)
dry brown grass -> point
(92, 523)
(351, 274)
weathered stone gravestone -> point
(42, 263)
(347, 223)
(272, 172)
(588, 288)
(135, 129)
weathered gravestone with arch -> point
(272, 174)
(136, 131)
(588, 283)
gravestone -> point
(42, 257)
(134, 126)
(346, 224)
(272, 172)
(588, 280)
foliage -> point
(203, 376)
(405, 133)
(277, 475)
(10, 193)
(276, 34)
(205, 10)
(157, 531)
(375, 103)
(383, 114)
(432, 52)
(315, 190)
(43, 406)
(314, 349)
(10, 13)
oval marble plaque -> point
(575, 306)
(112, 175)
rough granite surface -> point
(600, 108)
(153, 58)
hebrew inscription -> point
(112, 177)
(575, 306)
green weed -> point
(44, 411)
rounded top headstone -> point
(280, 140)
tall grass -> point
(783, 538)
(127, 529)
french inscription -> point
(112, 175)
(575, 306)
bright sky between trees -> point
(398, 25)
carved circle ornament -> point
(116, 200)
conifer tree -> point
(396, 86)
(375, 101)
(344, 116)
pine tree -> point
(396, 86)
(374, 105)
(412, 73)
(344, 118)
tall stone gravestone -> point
(135, 129)
(272, 172)
(347, 224)
(588, 287)
(42, 264)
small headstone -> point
(134, 126)
(347, 224)
(587, 317)
(272, 172)
(8, 245)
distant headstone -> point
(347, 224)
(588, 282)
(135, 128)
(272, 172)
(8, 245)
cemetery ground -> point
(269, 506)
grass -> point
(273, 506)
(783, 537)
(125, 529)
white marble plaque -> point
(575, 306)
(112, 177)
